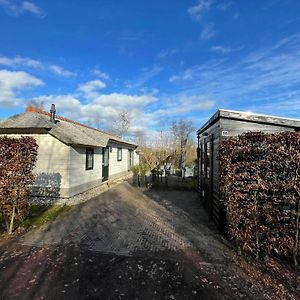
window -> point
(119, 154)
(208, 159)
(89, 163)
(202, 159)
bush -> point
(260, 186)
(139, 170)
(143, 169)
(135, 170)
(17, 160)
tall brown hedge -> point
(17, 160)
(260, 185)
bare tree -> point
(181, 131)
(122, 123)
(139, 138)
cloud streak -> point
(208, 32)
(14, 8)
(19, 61)
(221, 49)
(197, 11)
(267, 77)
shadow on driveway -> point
(127, 243)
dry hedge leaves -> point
(17, 159)
(260, 185)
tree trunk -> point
(11, 225)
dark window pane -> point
(208, 159)
(89, 159)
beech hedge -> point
(260, 186)
(17, 160)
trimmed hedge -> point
(17, 160)
(260, 186)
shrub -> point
(17, 160)
(143, 169)
(260, 186)
(135, 170)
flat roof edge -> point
(250, 117)
(256, 114)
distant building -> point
(72, 157)
(222, 125)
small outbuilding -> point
(222, 125)
(72, 157)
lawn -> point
(38, 215)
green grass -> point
(188, 184)
(41, 214)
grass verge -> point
(41, 214)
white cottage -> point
(72, 157)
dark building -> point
(222, 125)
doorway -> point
(105, 163)
(130, 159)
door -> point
(208, 174)
(105, 163)
(130, 159)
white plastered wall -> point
(118, 168)
(52, 171)
(136, 158)
(80, 178)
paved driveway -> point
(127, 243)
(126, 221)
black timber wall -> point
(222, 129)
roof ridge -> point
(40, 111)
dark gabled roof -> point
(69, 132)
(250, 117)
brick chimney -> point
(52, 113)
(33, 109)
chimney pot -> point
(52, 113)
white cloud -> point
(186, 75)
(17, 8)
(265, 78)
(89, 89)
(208, 31)
(184, 104)
(68, 103)
(146, 75)
(221, 49)
(101, 74)
(101, 109)
(174, 78)
(163, 54)
(12, 82)
(120, 100)
(19, 61)
(197, 11)
(58, 70)
(27, 6)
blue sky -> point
(158, 60)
